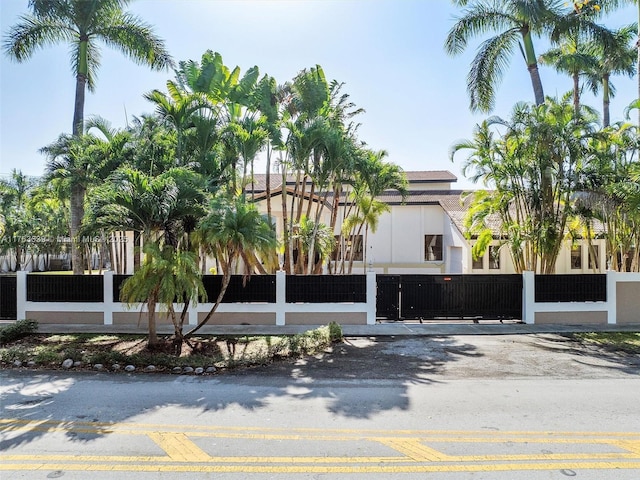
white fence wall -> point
(281, 309)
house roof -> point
(259, 183)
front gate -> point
(449, 296)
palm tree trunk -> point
(532, 66)
(605, 101)
(151, 319)
(77, 213)
(268, 182)
(81, 85)
(576, 95)
(226, 279)
(78, 110)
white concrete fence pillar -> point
(528, 297)
(371, 298)
(281, 297)
(107, 279)
(21, 295)
(612, 297)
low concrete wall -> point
(237, 318)
(326, 318)
(571, 318)
(628, 303)
(89, 318)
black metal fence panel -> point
(571, 288)
(388, 296)
(65, 288)
(258, 289)
(449, 296)
(326, 289)
(8, 297)
(118, 280)
(493, 296)
(431, 296)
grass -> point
(49, 351)
(628, 342)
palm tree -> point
(81, 24)
(533, 169)
(571, 57)
(618, 59)
(165, 209)
(14, 196)
(76, 162)
(516, 22)
(234, 231)
(611, 5)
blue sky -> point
(389, 54)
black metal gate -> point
(8, 297)
(449, 296)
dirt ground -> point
(425, 358)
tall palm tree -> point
(619, 59)
(611, 5)
(573, 58)
(515, 23)
(82, 24)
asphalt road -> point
(521, 407)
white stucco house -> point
(425, 233)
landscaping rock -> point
(17, 363)
(211, 370)
(115, 367)
(68, 363)
(199, 371)
(98, 366)
(150, 368)
(77, 364)
(187, 370)
(177, 370)
(129, 368)
(31, 364)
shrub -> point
(16, 331)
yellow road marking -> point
(413, 449)
(367, 432)
(179, 447)
(182, 454)
(499, 467)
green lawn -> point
(622, 341)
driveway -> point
(461, 356)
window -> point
(576, 257)
(594, 263)
(433, 248)
(494, 257)
(354, 243)
(477, 263)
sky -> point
(388, 53)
